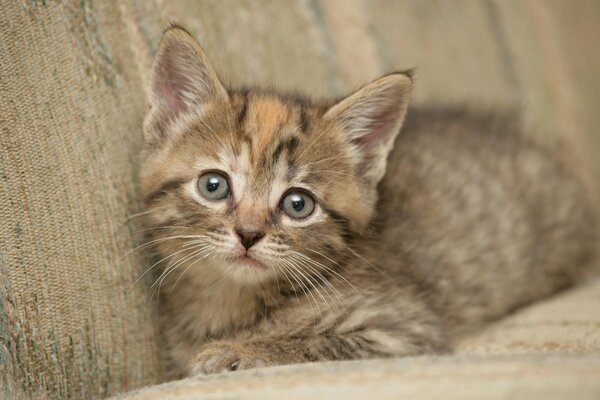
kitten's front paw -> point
(223, 356)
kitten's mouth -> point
(249, 261)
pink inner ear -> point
(170, 96)
(171, 86)
(177, 79)
(381, 125)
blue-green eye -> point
(213, 186)
(297, 204)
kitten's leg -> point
(366, 329)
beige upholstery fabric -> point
(525, 377)
(71, 106)
(73, 76)
(549, 350)
(566, 323)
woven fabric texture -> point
(532, 377)
(73, 85)
(71, 105)
(550, 350)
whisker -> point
(154, 265)
(276, 279)
(314, 141)
(159, 240)
(189, 266)
(329, 269)
(309, 280)
(160, 227)
(173, 265)
(307, 292)
(324, 280)
(322, 277)
(327, 159)
(177, 263)
(324, 256)
(154, 209)
(201, 238)
(278, 264)
(358, 255)
(329, 172)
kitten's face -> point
(255, 186)
(248, 178)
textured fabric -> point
(526, 377)
(549, 350)
(71, 106)
(566, 323)
(72, 97)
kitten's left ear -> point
(182, 80)
(371, 118)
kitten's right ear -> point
(182, 81)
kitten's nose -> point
(248, 238)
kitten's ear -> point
(182, 79)
(371, 118)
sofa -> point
(75, 321)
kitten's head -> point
(257, 185)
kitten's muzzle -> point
(249, 238)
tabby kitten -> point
(285, 240)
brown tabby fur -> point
(469, 222)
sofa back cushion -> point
(71, 107)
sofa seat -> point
(549, 350)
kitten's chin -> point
(246, 270)
(248, 262)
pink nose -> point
(249, 238)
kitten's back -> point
(483, 219)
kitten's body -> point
(472, 222)
(482, 218)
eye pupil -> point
(297, 203)
(212, 184)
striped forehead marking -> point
(266, 117)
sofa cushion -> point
(549, 350)
(527, 377)
(72, 325)
(568, 323)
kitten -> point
(285, 240)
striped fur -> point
(361, 276)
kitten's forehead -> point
(268, 132)
(269, 141)
(267, 121)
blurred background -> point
(73, 85)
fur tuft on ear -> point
(371, 118)
(182, 81)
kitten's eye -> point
(213, 186)
(297, 204)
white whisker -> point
(328, 159)
(154, 265)
(292, 269)
(159, 240)
(202, 257)
(309, 280)
(314, 141)
(177, 263)
(323, 279)
(154, 209)
(357, 255)
(329, 269)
